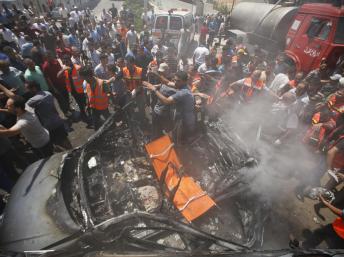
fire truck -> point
(306, 33)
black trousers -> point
(327, 234)
(160, 123)
(44, 151)
(7, 160)
(96, 117)
(62, 98)
(80, 100)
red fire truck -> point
(307, 33)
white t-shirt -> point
(200, 53)
(32, 130)
(74, 15)
(279, 81)
(202, 68)
(63, 12)
(156, 48)
(131, 36)
(8, 35)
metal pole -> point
(145, 9)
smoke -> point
(280, 168)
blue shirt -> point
(26, 49)
(185, 106)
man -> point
(76, 59)
(113, 10)
(118, 88)
(93, 55)
(184, 101)
(249, 87)
(74, 83)
(42, 102)
(132, 76)
(143, 59)
(105, 17)
(206, 66)
(73, 40)
(280, 80)
(199, 55)
(63, 11)
(12, 77)
(26, 47)
(101, 70)
(171, 60)
(131, 38)
(333, 233)
(61, 49)
(160, 47)
(34, 73)
(182, 43)
(97, 92)
(51, 68)
(48, 40)
(28, 125)
(161, 115)
(8, 35)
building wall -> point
(68, 3)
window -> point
(296, 24)
(161, 22)
(319, 28)
(176, 23)
(339, 36)
(188, 20)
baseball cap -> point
(163, 67)
(341, 82)
(335, 77)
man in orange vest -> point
(97, 93)
(332, 233)
(74, 83)
(132, 76)
(250, 86)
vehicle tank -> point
(265, 24)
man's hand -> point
(340, 176)
(148, 85)
(202, 95)
(322, 199)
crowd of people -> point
(102, 64)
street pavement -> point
(168, 4)
(158, 4)
(106, 4)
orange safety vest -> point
(235, 59)
(248, 90)
(77, 81)
(97, 99)
(132, 80)
(317, 135)
(335, 105)
(292, 83)
(338, 161)
(194, 85)
(338, 226)
(123, 32)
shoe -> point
(299, 194)
(293, 242)
(317, 208)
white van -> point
(170, 23)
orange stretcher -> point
(186, 195)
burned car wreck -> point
(105, 195)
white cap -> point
(341, 82)
(163, 67)
(336, 77)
